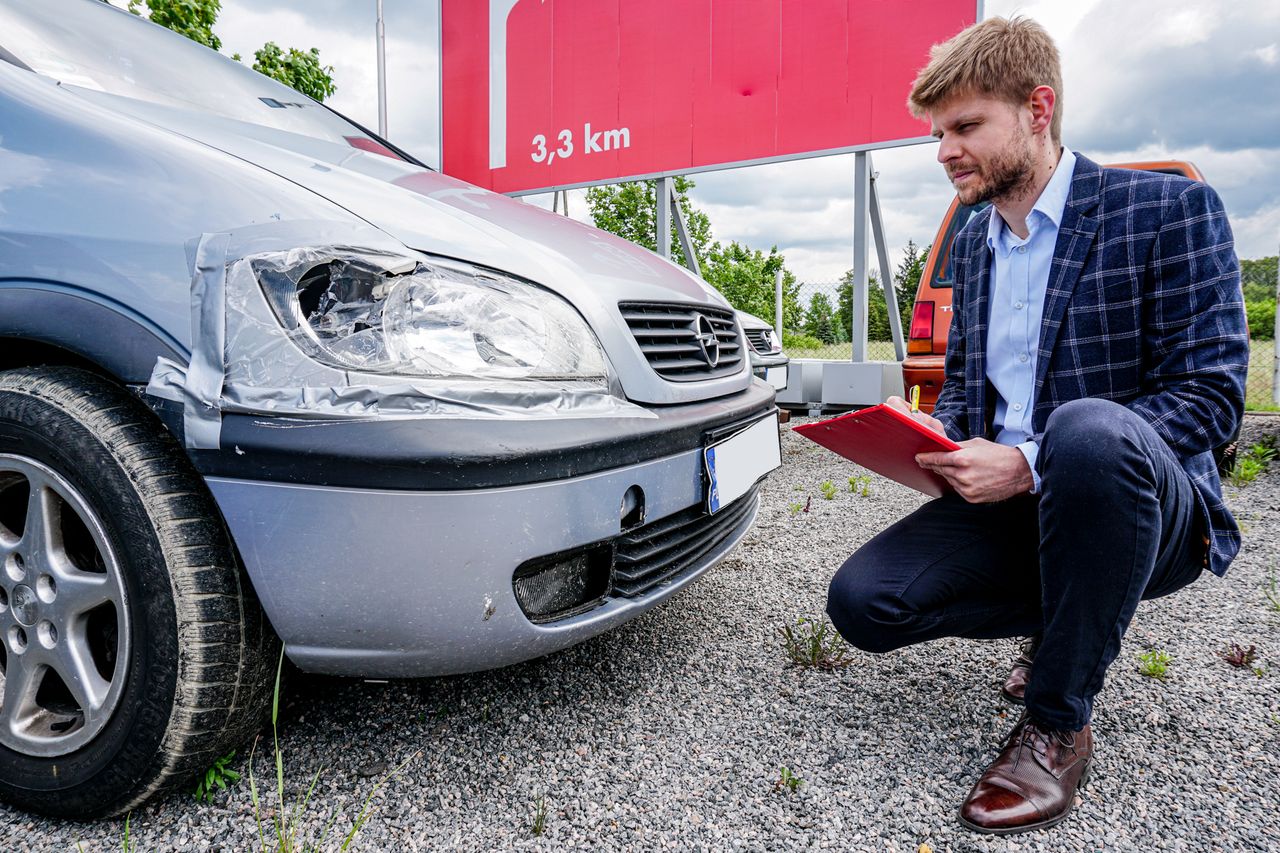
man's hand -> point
(903, 406)
(982, 471)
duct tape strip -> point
(202, 414)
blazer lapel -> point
(977, 290)
(1075, 239)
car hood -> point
(442, 216)
(437, 214)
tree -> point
(194, 19)
(191, 18)
(1258, 278)
(906, 279)
(630, 210)
(818, 320)
(300, 70)
(745, 277)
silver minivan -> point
(265, 377)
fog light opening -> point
(564, 585)
(632, 508)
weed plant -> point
(814, 644)
(861, 485)
(828, 489)
(787, 779)
(218, 776)
(285, 824)
(1272, 593)
(540, 815)
(1154, 664)
(1253, 462)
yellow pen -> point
(915, 398)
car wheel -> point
(133, 650)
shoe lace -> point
(1028, 734)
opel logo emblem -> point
(707, 341)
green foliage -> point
(217, 776)
(1262, 319)
(787, 779)
(1258, 279)
(286, 820)
(300, 70)
(631, 211)
(745, 277)
(795, 508)
(818, 319)
(1154, 664)
(794, 341)
(1253, 462)
(861, 485)
(828, 489)
(906, 279)
(1272, 591)
(540, 814)
(814, 643)
(191, 18)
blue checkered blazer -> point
(1143, 307)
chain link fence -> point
(817, 326)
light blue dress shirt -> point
(1019, 279)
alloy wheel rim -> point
(64, 616)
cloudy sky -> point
(1143, 79)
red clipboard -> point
(884, 440)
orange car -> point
(931, 317)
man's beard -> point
(1009, 174)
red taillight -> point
(921, 336)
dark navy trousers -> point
(1117, 521)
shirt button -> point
(1022, 357)
(1022, 250)
(1017, 407)
(1018, 305)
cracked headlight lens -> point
(432, 320)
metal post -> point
(682, 231)
(861, 198)
(1275, 377)
(886, 275)
(382, 75)
(777, 303)
(664, 218)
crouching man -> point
(1096, 359)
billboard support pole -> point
(662, 239)
(382, 74)
(682, 230)
(861, 216)
(886, 276)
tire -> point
(143, 650)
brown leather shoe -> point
(1032, 783)
(1015, 686)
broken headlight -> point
(380, 314)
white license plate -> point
(734, 464)
(777, 377)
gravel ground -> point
(671, 732)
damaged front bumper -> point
(397, 558)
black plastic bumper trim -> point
(437, 454)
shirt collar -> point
(1052, 202)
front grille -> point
(668, 336)
(756, 338)
(665, 549)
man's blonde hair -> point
(1005, 58)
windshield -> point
(90, 44)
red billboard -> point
(543, 94)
